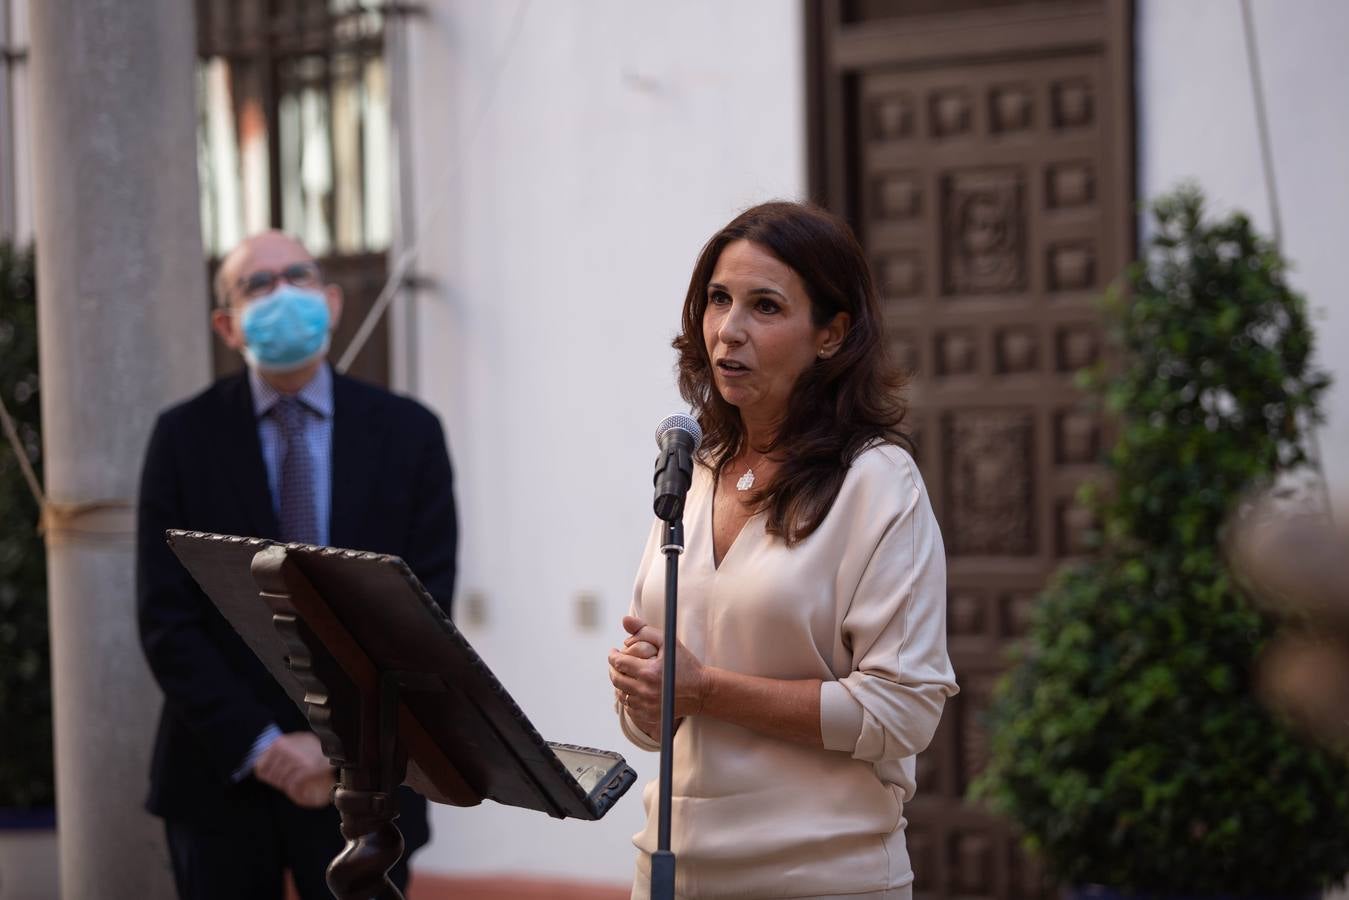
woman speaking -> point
(812, 662)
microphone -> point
(678, 437)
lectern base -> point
(374, 844)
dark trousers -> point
(243, 854)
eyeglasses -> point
(264, 281)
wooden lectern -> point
(394, 693)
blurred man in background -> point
(292, 451)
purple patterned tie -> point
(299, 517)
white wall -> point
(562, 228)
(1196, 118)
(621, 136)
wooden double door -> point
(983, 152)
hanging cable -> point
(404, 260)
(1262, 122)
(21, 455)
(108, 519)
(1276, 219)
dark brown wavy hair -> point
(840, 405)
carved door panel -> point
(983, 155)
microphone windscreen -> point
(681, 421)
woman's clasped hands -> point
(636, 672)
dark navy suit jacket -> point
(391, 493)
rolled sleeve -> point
(840, 717)
(889, 706)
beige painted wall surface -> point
(620, 137)
(1196, 119)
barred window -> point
(294, 123)
(294, 132)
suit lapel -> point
(242, 458)
(356, 433)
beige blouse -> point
(860, 605)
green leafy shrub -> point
(1126, 742)
(25, 676)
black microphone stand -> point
(678, 437)
(663, 860)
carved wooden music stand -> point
(394, 693)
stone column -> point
(123, 331)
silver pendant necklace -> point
(747, 480)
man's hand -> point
(295, 765)
(314, 792)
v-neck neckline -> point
(712, 526)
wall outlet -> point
(475, 609)
(587, 610)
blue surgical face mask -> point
(285, 330)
